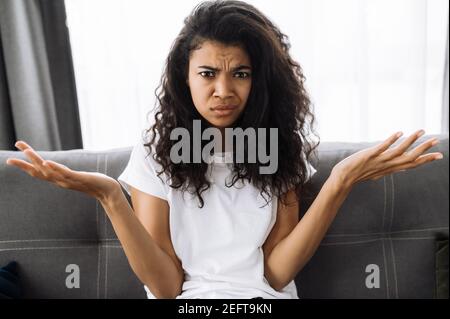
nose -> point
(223, 87)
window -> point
(372, 67)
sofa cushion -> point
(381, 244)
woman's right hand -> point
(97, 185)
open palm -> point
(92, 183)
(380, 160)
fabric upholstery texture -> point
(386, 230)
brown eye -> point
(242, 75)
(207, 74)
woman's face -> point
(220, 81)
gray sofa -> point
(384, 235)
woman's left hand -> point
(377, 161)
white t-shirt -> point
(219, 245)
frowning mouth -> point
(223, 110)
(224, 107)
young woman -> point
(219, 228)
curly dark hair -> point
(277, 99)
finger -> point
(399, 168)
(61, 169)
(402, 147)
(67, 175)
(33, 156)
(47, 173)
(55, 170)
(423, 159)
(72, 179)
(380, 148)
(419, 150)
(37, 168)
(51, 171)
(30, 153)
(21, 145)
(23, 165)
(37, 160)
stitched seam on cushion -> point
(116, 239)
(395, 269)
(104, 219)
(384, 230)
(105, 228)
(44, 248)
(98, 236)
(392, 204)
(106, 271)
(352, 242)
(388, 232)
(407, 238)
(98, 270)
(56, 239)
(373, 240)
(385, 270)
(96, 203)
(326, 244)
(385, 205)
(390, 240)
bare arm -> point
(151, 264)
(291, 253)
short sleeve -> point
(310, 171)
(141, 173)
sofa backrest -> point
(386, 228)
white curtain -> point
(445, 103)
(372, 66)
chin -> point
(221, 123)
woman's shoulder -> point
(144, 152)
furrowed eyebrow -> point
(238, 68)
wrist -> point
(341, 180)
